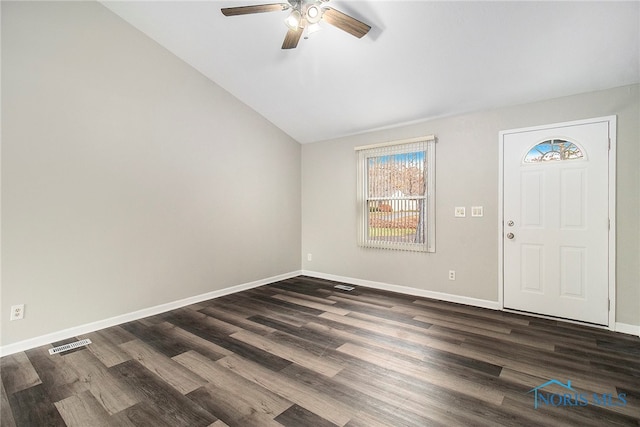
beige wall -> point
(466, 175)
(129, 180)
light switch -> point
(477, 211)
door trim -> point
(611, 120)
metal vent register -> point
(70, 346)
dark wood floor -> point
(300, 353)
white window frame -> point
(364, 153)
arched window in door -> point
(553, 150)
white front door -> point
(556, 220)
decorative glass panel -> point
(552, 150)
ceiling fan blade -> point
(345, 22)
(259, 8)
(292, 38)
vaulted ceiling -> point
(420, 60)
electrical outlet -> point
(460, 212)
(452, 275)
(17, 312)
(309, 257)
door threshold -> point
(560, 319)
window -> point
(553, 150)
(395, 195)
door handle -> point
(510, 236)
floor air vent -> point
(344, 287)
(70, 346)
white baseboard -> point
(626, 328)
(152, 311)
(128, 317)
(493, 305)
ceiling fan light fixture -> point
(314, 14)
(293, 20)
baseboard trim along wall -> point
(128, 317)
(493, 305)
(162, 308)
(626, 328)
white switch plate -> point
(477, 211)
(460, 212)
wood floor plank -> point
(352, 301)
(208, 321)
(307, 285)
(106, 349)
(298, 416)
(374, 298)
(170, 371)
(293, 308)
(113, 395)
(237, 320)
(295, 355)
(597, 355)
(33, 407)
(141, 414)
(324, 406)
(229, 407)
(391, 331)
(302, 332)
(433, 376)
(6, 415)
(551, 367)
(312, 304)
(478, 324)
(194, 342)
(381, 341)
(154, 337)
(378, 400)
(81, 410)
(225, 382)
(260, 328)
(59, 378)
(469, 313)
(366, 419)
(175, 409)
(301, 295)
(223, 340)
(17, 373)
(472, 332)
(422, 403)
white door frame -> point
(611, 120)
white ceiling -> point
(419, 61)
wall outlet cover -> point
(460, 212)
(17, 312)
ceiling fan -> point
(304, 16)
